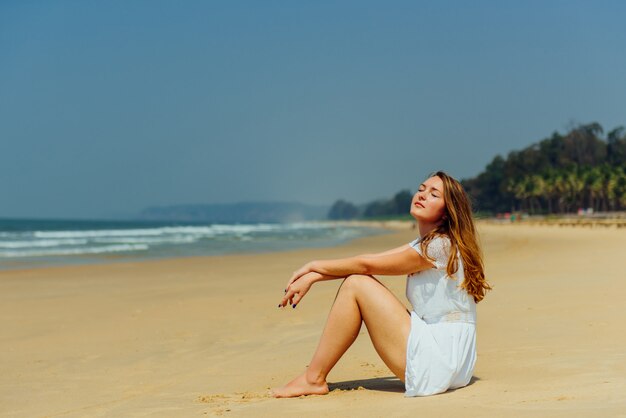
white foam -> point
(42, 243)
(76, 242)
(211, 230)
(194, 230)
(147, 240)
(74, 251)
(98, 233)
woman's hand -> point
(296, 290)
(307, 268)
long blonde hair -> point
(458, 225)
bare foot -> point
(300, 386)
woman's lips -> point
(418, 204)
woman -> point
(432, 348)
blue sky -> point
(110, 107)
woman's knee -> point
(357, 281)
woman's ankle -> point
(300, 386)
(315, 378)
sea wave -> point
(147, 240)
(74, 251)
(71, 241)
(42, 243)
(211, 230)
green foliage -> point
(342, 210)
(397, 205)
(559, 174)
(383, 209)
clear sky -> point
(107, 107)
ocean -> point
(28, 243)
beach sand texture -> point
(204, 337)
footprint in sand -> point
(378, 371)
(212, 398)
(223, 403)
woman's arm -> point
(392, 251)
(396, 263)
(400, 262)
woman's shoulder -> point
(440, 245)
(437, 249)
(441, 239)
(438, 241)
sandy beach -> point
(204, 337)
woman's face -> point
(428, 204)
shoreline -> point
(87, 259)
(390, 226)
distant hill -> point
(245, 212)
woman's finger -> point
(299, 273)
(290, 282)
(286, 298)
(295, 276)
(291, 299)
(296, 299)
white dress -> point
(441, 349)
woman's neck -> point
(426, 227)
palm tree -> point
(538, 188)
(560, 187)
(575, 186)
(610, 185)
(620, 187)
(594, 187)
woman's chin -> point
(423, 220)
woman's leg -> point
(360, 299)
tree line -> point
(397, 206)
(559, 174)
